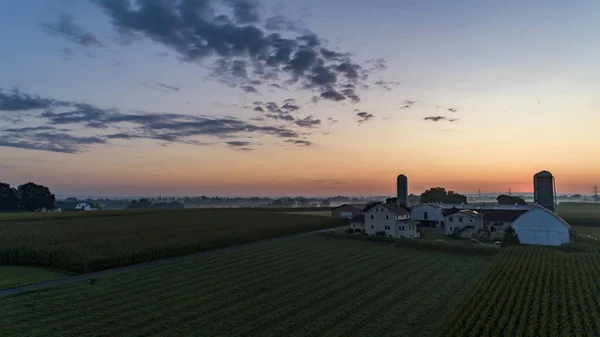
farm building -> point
(389, 219)
(358, 222)
(464, 223)
(541, 226)
(347, 211)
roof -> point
(67, 205)
(503, 215)
(555, 215)
(398, 210)
(543, 174)
(360, 218)
(359, 207)
(468, 212)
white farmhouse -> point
(391, 220)
(358, 223)
(464, 223)
(540, 226)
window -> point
(493, 229)
(451, 219)
(402, 227)
(371, 216)
(451, 229)
(460, 219)
(387, 217)
(371, 226)
(425, 216)
(353, 226)
(470, 220)
(443, 223)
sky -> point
(319, 98)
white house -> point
(540, 226)
(464, 223)
(83, 206)
(392, 220)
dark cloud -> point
(299, 142)
(332, 95)
(167, 127)
(170, 87)
(440, 119)
(18, 101)
(386, 85)
(243, 52)
(407, 104)
(238, 143)
(258, 108)
(275, 85)
(376, 64)
(280, 23)
(307, 122)
(66, 27)
(332, 121)
(364, 116)
(46, 139)
(250, 89)
(452, 110)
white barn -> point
(428, 214)
(83, 206)
(540, 226)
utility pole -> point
(595, 190)
(509, 191)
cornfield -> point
(533, 291)
(92, 243)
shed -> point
(347, 210)
(540, 226)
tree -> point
(9, 202)
(371, 205)
(391, 200)
(33, 197)
(504, 199)
(325, 203)
(510, 238)
(439, 194)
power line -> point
(595, 190)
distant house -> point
(347, 211)
(541, 226)
(391, 220)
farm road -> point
(145, 265)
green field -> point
(15, 276)
(314, 286)
(533, 291)
(91, 241)
(580, 213)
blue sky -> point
(514, 74)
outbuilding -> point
(347, 211)
(541, 226)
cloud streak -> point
(440, 119)
(66, 27)
(364, 117)
(60, 117)
(407, 104)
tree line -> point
(27, 197)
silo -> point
(544, 190)
(402, 189)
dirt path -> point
(145, 265)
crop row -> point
(532, 291)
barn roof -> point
(396, 209)
(502, 215)
(555, 215)
(359, 207)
